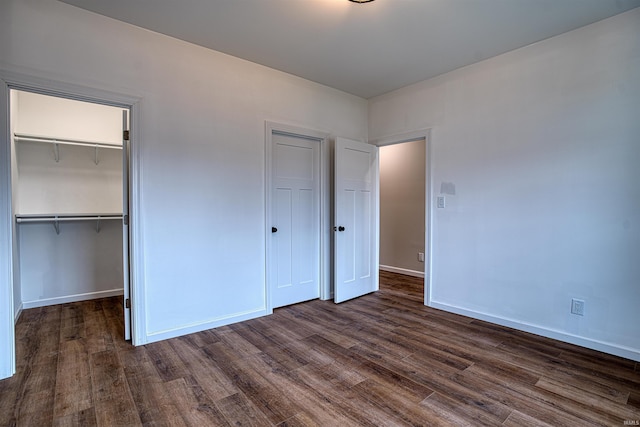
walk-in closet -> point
(69, 199)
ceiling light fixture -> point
(360, 1)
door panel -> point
(363, 226)
(306, 221)
(283, 242)
(356, 216)
(295, 212)
(348, 253)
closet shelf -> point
(21, 137)
(56, 219)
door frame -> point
(42, 85)
(428, 220)
(325, 213)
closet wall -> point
(81, 259)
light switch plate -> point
(577, 307)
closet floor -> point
(383, 359)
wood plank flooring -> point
(381, 360)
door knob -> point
(341, 228)
(273, 229)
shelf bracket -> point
(56, 225)
(56, 151)
(95, 159)
(97, 221)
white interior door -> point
(356, 219)
(295, 214)
(125, 224)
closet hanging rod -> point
(93, 144)
(53, 219)
(61, 218)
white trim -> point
(18, 313)
(376, 255)
(7, 325)
(203, 326)
(428, 220)
(61, 89)
(137, 283)
(402, 137)
(605, 347)
(325, 213)
(405, 271)
(71, 298)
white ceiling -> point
(364, 49)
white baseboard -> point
(17, 314)
(71, 298)
(399, 270)
(605, 347)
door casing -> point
(428, 220)
(19, 81)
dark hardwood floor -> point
(381, 360)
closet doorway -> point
(70, 201)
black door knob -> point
(341, 228)
(273, 229)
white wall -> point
(201, 127)
(542, 147)
(74, 184)
(402, 206)
(75, 265)
(56, 117)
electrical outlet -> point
(421, 256)
(577, 307)
(440, 202)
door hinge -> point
(127, 303)
(125, 135)
(125, 219)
